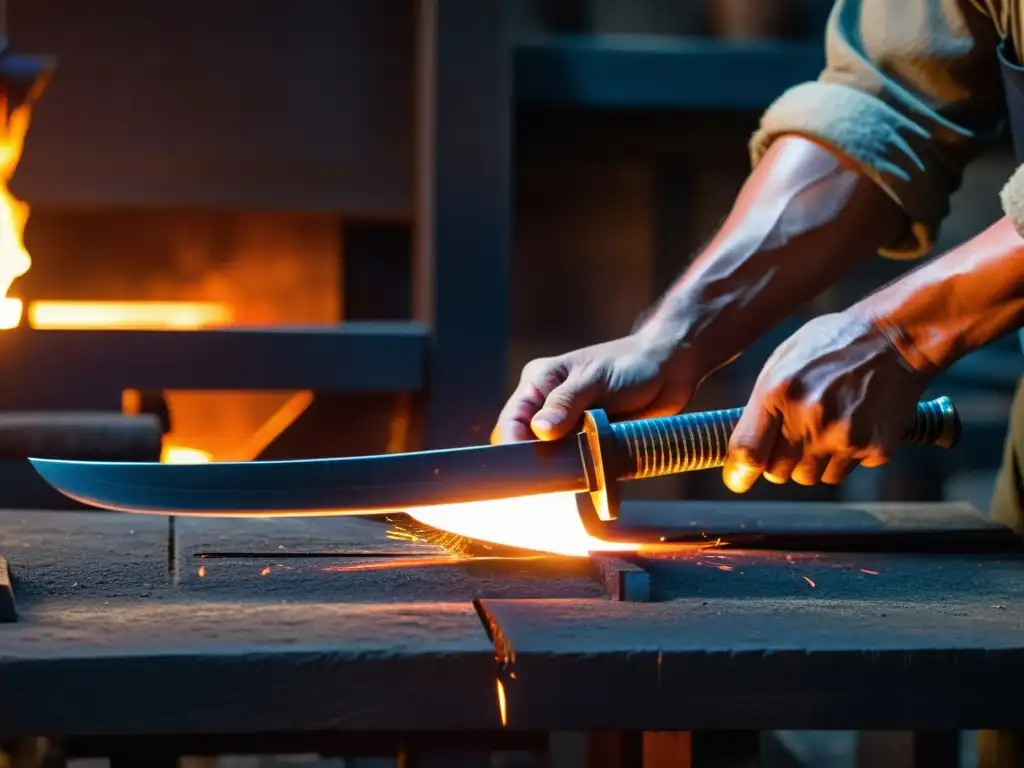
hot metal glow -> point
(179, 454)
(543, 523)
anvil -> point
(591, 463)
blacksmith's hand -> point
(835, 395)
(637, 376)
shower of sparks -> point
(542, 523)
(422, 562)
(415, 532)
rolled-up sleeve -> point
(911, 93)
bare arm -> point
(955, 304)
(803, 218)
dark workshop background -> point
(262, 153)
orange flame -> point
(543, 523)
(14, 259)
(130, 315)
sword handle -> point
(692, 441)
(669, 445)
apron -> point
(1007, 505)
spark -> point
(202, 571)
(502, 706)
(265, 571)
(869, 573)
(809, 581)
(421, 562)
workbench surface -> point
(108, 642)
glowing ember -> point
(502, 706)
(14, 259)
(265, 571)
(543, 523)
(177, 454)
(130, 315)
(202, 571)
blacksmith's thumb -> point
(563, 408)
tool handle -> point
(691, 441)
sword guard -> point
(598, 449)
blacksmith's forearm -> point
(957, 303)
(802, 219)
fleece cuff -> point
(1012, 197)
(888, 147)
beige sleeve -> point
(911, 93)
(1012, 198)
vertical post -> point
(463, 192)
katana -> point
(593, 461)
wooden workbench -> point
(108, 643)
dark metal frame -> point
(462, 243)
(362, 357)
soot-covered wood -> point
(234, 666)
(739, 639)
(757, 640)
(102, 623)
(309, 645)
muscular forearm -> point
(955, 304)
(802, 219)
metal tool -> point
(592, 461)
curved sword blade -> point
(339, 486)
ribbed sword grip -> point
(690, 441)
